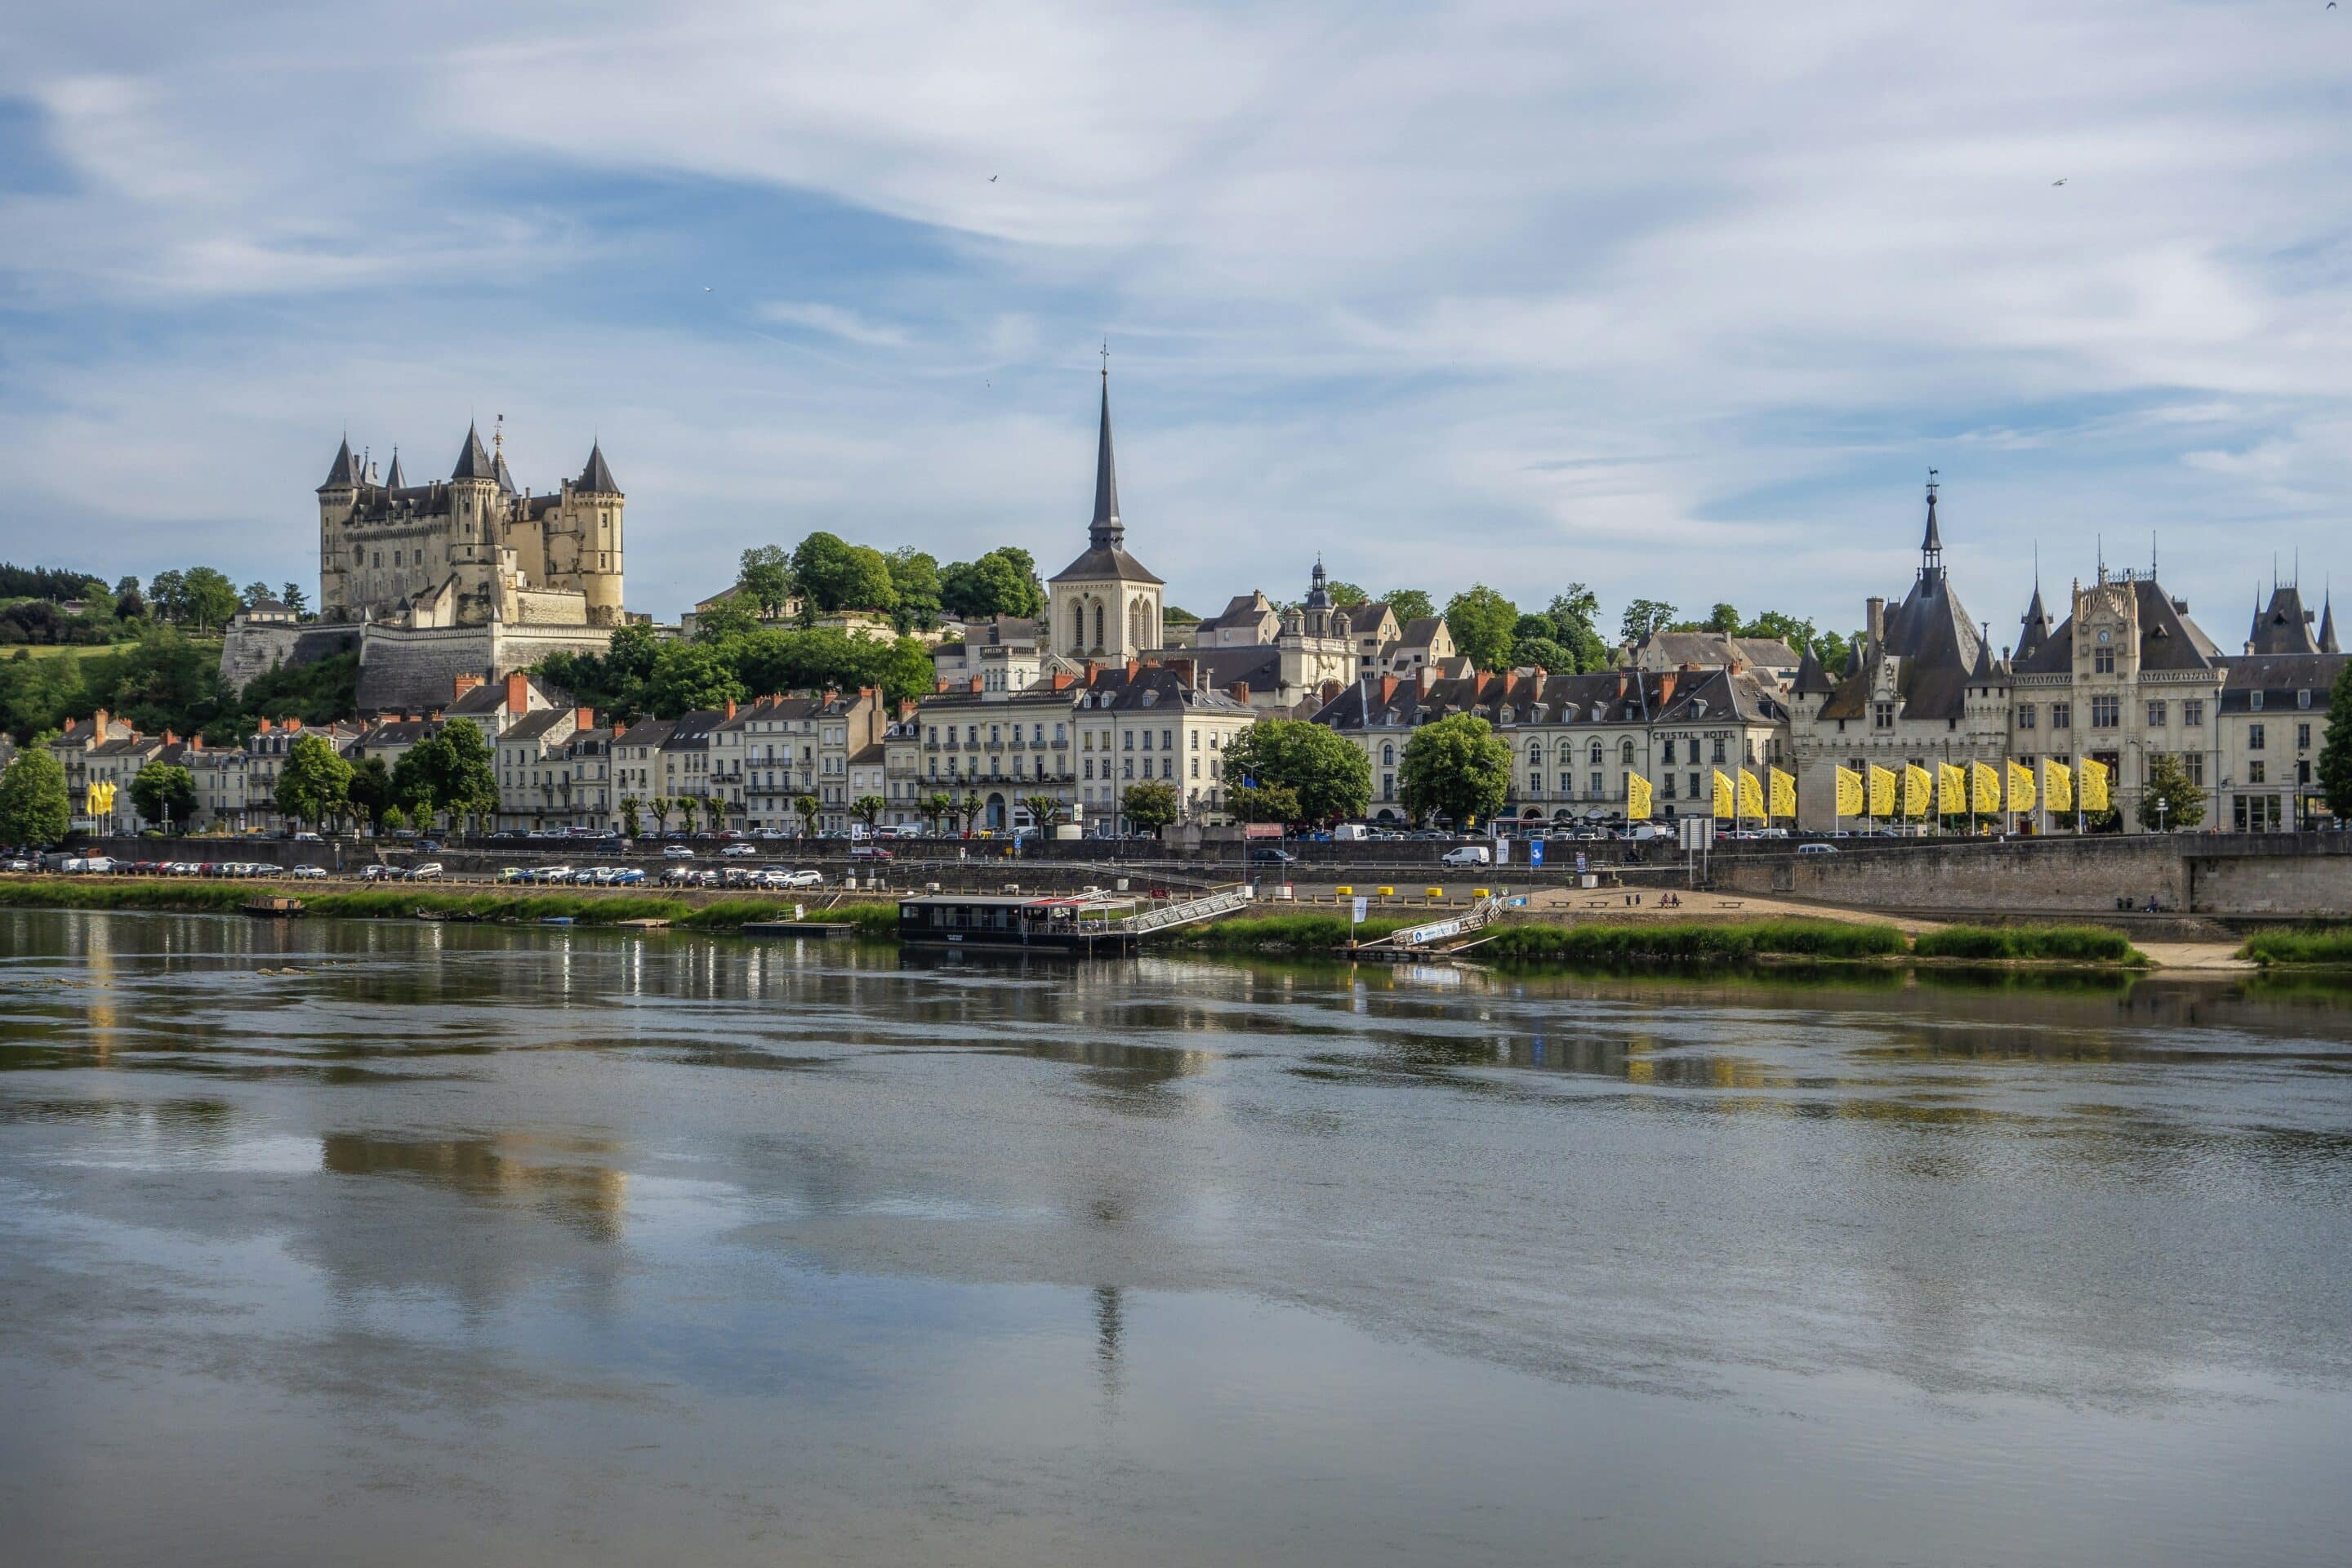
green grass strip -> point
(2071, 943)
(1685, 940)
(2314, 944)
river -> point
(365, 1242)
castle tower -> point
(595, 499)
(338, 498)
(474, 497)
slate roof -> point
(1241, 610)
(1152, 686)
(2034, 629)
(646, 732)
(474, 462)
(1601, 697)
(1812, 680)
(346, 468)
(1106, 554)
(397, 479)
(692, 732)
(1259, 664)
(2279, 677)
(533, 726)
(2283, 626)
(1715, 647)
(2327, 626)
(2168, 639)
(1421, 631)
(597, 476)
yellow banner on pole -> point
(1637, 798)
(1784, 792)
(1984, 789)
(1917, 787)
(2091, 779)
(2057, 784)
(1951, 791)
(1752, 795)
(1849, 792)
(1723, 797)
(1882, 791)
(2021, 786)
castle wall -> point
(251, 650)
(414, 670)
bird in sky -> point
(2055, 184)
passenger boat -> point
(1084, 922)
(273, 906)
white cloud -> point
(834, 321)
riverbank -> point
(2307, 947)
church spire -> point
(1106, 531)
(1931, 543)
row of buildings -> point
(1103, 692)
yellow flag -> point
(2092, 778)
(1918, 786)
(1984, 788)
(2057, 784)
(1849, 792)
(1951, 791)
(1637, 798)
(1784, 792)
(1723, 797)
(1752, 795)
(1882, 791)
(2021, 786)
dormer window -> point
(2303, 698)
(2254, 701)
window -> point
(1670, 786)
(2192, 763)
(1594, 755)
(1596, 785)
(1881, 715)
(1388, 752)
(2253, 737)
(2025, 712)
(1167, 767)
(1167, 739)
(2254, 701)
(2192, 713)
(1388, 787)
(2061, 715)
(1717, 755)
(1090, 767)
(1568, 783)
(1127, 741)
(1625, 751)
(2303, 737)
(1126, 770)
(1196, 767)
(2256, 772)
(2156, 715)
(2103, 661)
(1667, 751)
(2107, 712)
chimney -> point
(195, 743)
(730, 707)
(943, 683)
(1131, 667)
(1064, 681)
(584, 720)
(1666, 686)
(1240, 689)
(1094, 673)
(1623, 683)
(1186, 672)
(292, 725)
(98, 724)
(1332, 690)
(170, 739)
(463, 684)
(1874, 626)
(1424, 677)
(518, 691)
(264, 727)
(975, 683)
(619, 730)
(1388, 689)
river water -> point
(371, 1243)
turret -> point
(598, 500)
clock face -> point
(2103, 636)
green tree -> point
(660, 807)
(1345, 595)
(207, 599)
(1177, 616)
(1330, 777)
(765, 578)
(2335, 769)
(725, 622)
(688, 807)
(1456, 767)
(1484, 624)
(968, 808)
(690, 677)
(1044, 810)
(2169, 787)
(939, 809)
(294, 598)
(165, 793)
(805, 807)
(1002, 583)
(1410, 605)
(1543, 654)
(448, 772)
(833, 574)
(370, 791)
(167, 592)
(1722, 618)
(34, 810)
(1774, 626)
(316, 782)
(1150, 805)
(630, 822)
(252, 593)
(395, 819)
(869, 809)
(1644, 616)
(1264, 802)
(915, 578)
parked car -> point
(309, 873)
(18, 863)
(803, 879)
(1467, 854)
(513, 873)
(678, 852)
(1268, 855)
(738, 849)
(378, 873)
(868, 852)
(1817, 848)
(306, 836)
(430, 871)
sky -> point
(1681, 302)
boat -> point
(449, 916)
(1089, 922)
(555, 920)
(273, 906)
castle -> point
(468, 576)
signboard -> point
(1362, 906)
(1536, 853)
(1696, 832)
(1502, 851)
(1262, 830)
(1582, 864)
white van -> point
(1350, 833)
(1817, 848)
(1467, 854)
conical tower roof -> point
(2327, 626)
(2036, 622)
(346, 468)
(474, 461)
(1812, 680)
(1106, 531)
(597, 476)
(396, 479)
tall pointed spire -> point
(475, 462)
(345, 472)
(1106, 531)
(396, 479)
(1931, 543)
(2327, 621)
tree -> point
(1330, 778)
(1177, 616)
(294, 598)
(1002, 583)
(208, 599)
(833, 574)
(1774, 626)
(1264, 802)
(915, 575)
(167, 592)
(1150, 804)
(370, 790)
(1833, 649)
(1722, 618)
(1346, 595)
(765, 578)
(1044, 811)
(1644, 616)
(1456, 767)
(968, 808)
(252, 593)
(2168, 786)
(450, 771)
(34, 809)
(805, 807)
(688, 807)
(1482, 623)
(129, 605)
(395, 819)
(692, 675)
(630, 822)
(1410, 605)
(1543, 654)
(316, 782)
(660, 807)
(2334, 772)
(869, 809)
(938, 808)
(164, 792)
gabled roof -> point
(2168, 639)
(1421, 631)
(2035, 625)
(646, 732)
(474, 460)
(691, 731)
(597, 476)
(535, 726)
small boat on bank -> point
(273, 906)
(449, 917)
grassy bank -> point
(2326, 944)
(404, 903)
(1297, 932)
(1687, 940)
(2059, 943)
